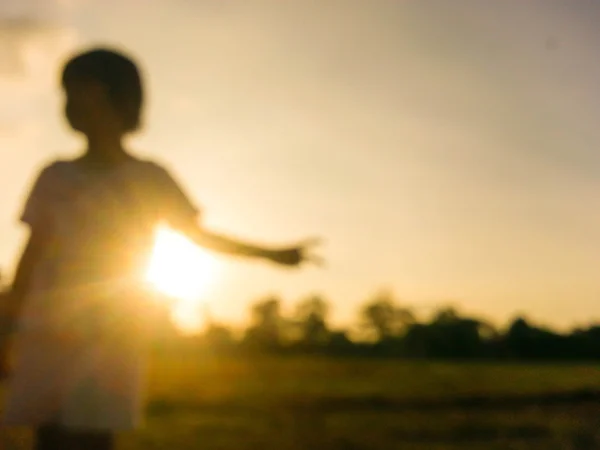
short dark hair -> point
(118, 73)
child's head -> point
(103, 89)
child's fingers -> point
(312, 242)
(316, 260)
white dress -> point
(82, 341)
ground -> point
(300, 403)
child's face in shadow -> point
(88, 108)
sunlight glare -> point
(188, 317)
(183, 271)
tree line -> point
(388, 329)
(385, 328)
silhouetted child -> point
(79, 292)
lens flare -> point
(181, 270)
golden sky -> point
(448, 150)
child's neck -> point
(106, 150)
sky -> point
(445, 150)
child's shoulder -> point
(150, 163)
(56, 166)
(154, 167)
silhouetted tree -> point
(447, 335)
(265, 331)
(311, 317)
(384, 319)
(519, 339)
(445, 316)
(584, 344)
(340, 343)
(525, 341)
(218, 338)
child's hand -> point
(295, 256)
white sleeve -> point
(176, 207)
(38, 204)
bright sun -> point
(183, 271)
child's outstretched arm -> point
(289, 256)
(181, 215)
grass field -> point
(302, 403)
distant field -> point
(301, 403)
